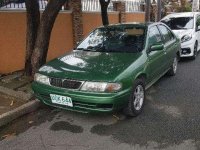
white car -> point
(186, 26)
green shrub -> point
(187, 8)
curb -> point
(16, 94)
(20, 111)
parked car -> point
(110, 69)
(187, 27)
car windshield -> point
(179, 23)
(115, 39)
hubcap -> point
(175, 65)
(138, 97)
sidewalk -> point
(16, 97)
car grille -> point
(186, 51)
(65, 83)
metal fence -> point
(133, 5)
(93, 5)
(19, 4)
(87, 5)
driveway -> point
(170, 120)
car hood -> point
(181, 33)
(85, 65)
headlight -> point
(101, 87)
(41, 78)
(186, 38)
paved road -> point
(171, 120)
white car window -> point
(180, 23)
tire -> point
(136, 100)
(178, 57)
(195, 51)
(173, 69)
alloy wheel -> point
(138, 97)
(175, 63)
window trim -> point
(162, 42)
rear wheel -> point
(136, 100)
(195, 51)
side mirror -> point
(157, 47)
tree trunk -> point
(104, 11)
(33, 20)
(147, 11)
(44, 32)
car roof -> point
(184, 14)
(141, 24)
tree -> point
(39, 32)
(183, 3)
(33, 21)
(104, 11)
(185, 6)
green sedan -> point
(110, 69)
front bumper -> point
(83, 101)
(187, 49)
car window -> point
(179, 23)
(115, 39)
(166, 33)
(154, 36)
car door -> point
(170, 45)
(155, 58)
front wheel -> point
(136, 100)
(195, 51)
(173, 69)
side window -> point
(154, 36)
(167, 34)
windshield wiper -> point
(80, 48)
(184, 28)
(179, 27)
(86, 49)
(93, 48)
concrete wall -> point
(135, 17)
(91, 20)
(13, 35)
(13, 39)
(61, 39)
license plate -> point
(62, 100)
